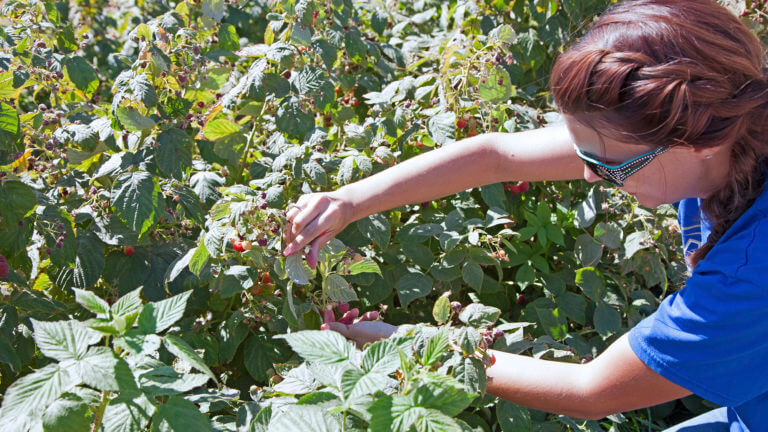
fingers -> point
(339, 327)
(318, 244)
(304, 223)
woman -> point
(667, 101)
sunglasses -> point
(616, 174)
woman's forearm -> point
(540, 384)
(542, 154)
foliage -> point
(147, 150)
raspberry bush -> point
(148, 150)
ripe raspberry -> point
(461, 124)
(522, 300)
(5, 269)
(200, 104)
(287, 74)
(261, 242)
(238, 246)
(128, 250)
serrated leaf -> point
(441, 127)
(260, 354)
(64, 340)
(102, 369)
(182, 350)
(135, 198)
(412, 286)
(441, 311)
(436, 346)
(304, 418)
(35, 391)
(472, 274)
(219, 128)
(297, 270)
(199, 259)
(91, 301)
(338, 289)
(607, 320)
(513, 417)
(179, 415)
(496, 86)
(81, 74)
(365, 265)
(381, 357)
(324, 347)
(133, 120)
(165, 381)
(127, 413)
(214, 9)
(156, 317)
(478, 315)
(89, 261)
(67, 414)
(173, 152)
(376, 228)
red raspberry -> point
(200, 104)
(128, 250)
(238, 246)
(461, 124)
(5, 269)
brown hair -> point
(684, 72)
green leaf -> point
(214, 9)
(513, 417)
(127, 304)
(135, 199)
(338, 289)
(89, 261)
(9, 129)
(574, 306)
(472, 274)
(179, 415)
(413, 286)
(182, 350)
(173, 154)
(441, 311)
(441, 127)
(496, 86)
(324, 347)
(156, 317)
(81, 74)
(304, 418)
(354, 44)
(591, 283)
(442, 393)
(260, 354)
(588, 251)
(133, 120)
(607, 320)
(356, 383)
(228, 39)
(478, 315)
(609, 234)
(65, 40)
(92, 302)
(67, 414)
(102, 369)
(164, 381)
(128, 412)
(219, 128)
(199, 259)
(64, 340)
(470, 372)
(381, 357)
(294, 122)
(297, 269)
(35, 391)
(366, 265)
(436, 346)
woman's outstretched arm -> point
(616, 381)
(541, 154)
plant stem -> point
(100, 412)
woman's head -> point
(685, 74)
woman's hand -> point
(315, 218)
(363, 332)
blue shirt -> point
(711, 337)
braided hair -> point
(668, 73)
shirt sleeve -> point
(712, 336)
